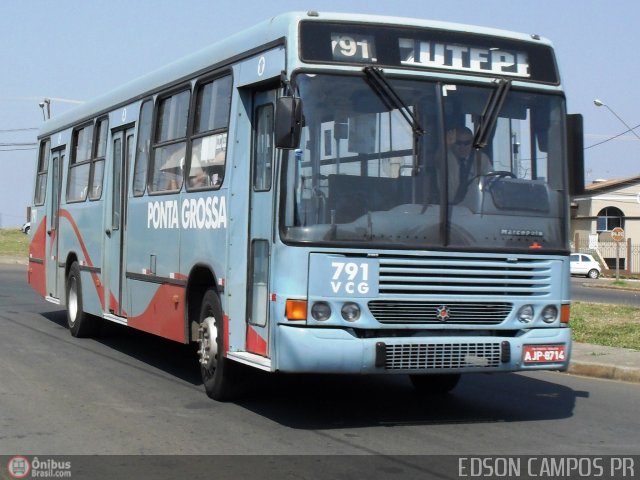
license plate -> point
(544, 353)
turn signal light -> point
(565, 313)
(296, 309)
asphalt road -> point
(132, 393)
(586, 290)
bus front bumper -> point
(329, 350)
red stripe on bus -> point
(255, 343)
(96, 279)
(94, 276)
(65, 214)
(164, 315)
(36, 273)
(225, 340)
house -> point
(607, 204)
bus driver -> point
(464, 163)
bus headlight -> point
(321, 311)
(525, 313)
(350, 311)
(550, 314)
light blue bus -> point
(323, 193)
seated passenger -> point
(199, 181)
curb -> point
(609, 372)
(13, 260)
(611, 287)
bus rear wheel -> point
(80, 323)
(218, 373)
(435, 384)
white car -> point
(26, 227)
(584, 264)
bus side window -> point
(263, 149)
(209, 139)
(170, 145)
(41, 173)
(80, 164)
(142, 151)
(97, 163)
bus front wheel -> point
(435, 384)
(80, 323)
(218, 372)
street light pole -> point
(600, 103)
(45, 105)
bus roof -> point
(250, 41)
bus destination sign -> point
(460, 57)
(416, 53)
(426, 49)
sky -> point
(75, 50)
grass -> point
(608, 325)
(13, 242)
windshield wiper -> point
(390, 97)
(392, 101)
(490, 113)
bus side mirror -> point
(575, 154)
(288, 122)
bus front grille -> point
(465, 274)
(475, 313)
(435, 356)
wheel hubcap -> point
(207, 338)
(73, 300)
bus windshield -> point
(400, 166)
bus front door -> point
(116, 228)
(261, 223)
(53, 224)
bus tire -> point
(435, 384)
(80, 323)
(219, 374)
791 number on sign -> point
(353, 49)
(343, 277)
